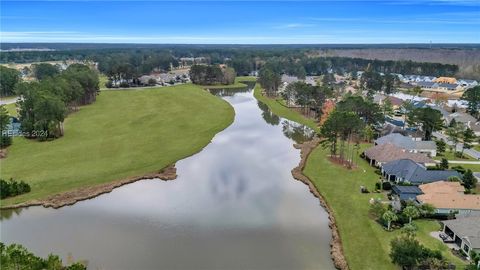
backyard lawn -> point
(366, 244)
(123, 134)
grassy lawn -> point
(366, 244)
(238, 83)
(123, 134)
(477, 147)
(246, 78)
(103, 79)
(12, 109)
(279, 109)
(451, 156)
(473, 167)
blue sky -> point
(241, 22)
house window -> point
(466, 249)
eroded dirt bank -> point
(336, 244)
(85, 193)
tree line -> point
(212, 74)
(15, 257)
(45, 103)
(129, 63)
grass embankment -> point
(366, 244)
(278, 108)
(239, 83)
(123, 134)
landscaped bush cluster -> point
(16, 256)
(407, 252)
(12, 188)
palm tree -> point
(411, 212)
(389, 216)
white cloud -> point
(294, 25)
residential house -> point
(467, 83)
(465, 232)
(449, 197)
(428, 85)
(384, 153)
(289, 79)
(403, 194)
(450, 80)
(449, 86)
(426, 147)
(465, 118)
(146, 79)
(407, 170)
(380, 100)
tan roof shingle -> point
(448, 195)
(387, 152)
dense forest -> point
(129, 63)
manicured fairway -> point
(366, 243)
(123, 134)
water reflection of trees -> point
(228, 92)
(6, 214)
(267, 115)
(293, 130)
(297, 132)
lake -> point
(234, 205)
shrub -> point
(109, 84)
(459, 169)
(124, 85)
(13, 188)
(387, 186)
(5, 141)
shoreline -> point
(336, 247)
(85, 193)
(70, 197)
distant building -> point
(428, 85)
(467, 83)
(448, 86)
(449, 80)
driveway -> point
(10, 100)
(471, 152)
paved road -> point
(5, 101)
(461, 162)
(471, 152)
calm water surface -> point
(234, 205)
